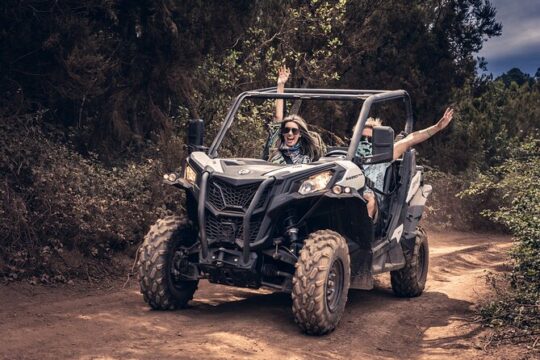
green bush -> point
(445, 209)
(516, 186)
(56, 202)
(490, 119)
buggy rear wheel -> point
(410, 281)
(164, 261)
(321, 282)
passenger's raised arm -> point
(422, 135)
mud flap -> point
(362, 282)
(395, 259)
(388, 255)
(361, 277)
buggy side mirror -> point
(382, 145)
(195, 135)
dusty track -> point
(230, 323)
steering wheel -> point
(337, 152)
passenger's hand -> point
(283, 75)
(445, 119)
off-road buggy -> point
(302, 229)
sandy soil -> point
(87, 322)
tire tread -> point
(309, 291)
(152, 266)
(405, 282)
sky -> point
(519, 44)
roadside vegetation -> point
(96, 95)
(499, 129)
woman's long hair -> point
(308, 144)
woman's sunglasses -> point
(365, 138)
(287, 130)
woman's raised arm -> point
(422, 135)
(283, 76)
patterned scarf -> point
(364, 149)
(294, 153)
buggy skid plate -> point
(226, 266)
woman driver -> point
(293, 143)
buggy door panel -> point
(385, 254)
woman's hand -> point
(445, 119)
(283, 75)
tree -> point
(423, 47)
(517, 76)
(515, 183)
(491, 119)
(118, 72)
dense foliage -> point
(56, 204)
(499, 122)
(491, 119)
(120, 71)
(516, 186)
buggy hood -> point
(247, 168)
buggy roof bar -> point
(323, 94)
(369, 97)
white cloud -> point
(521, 29)
(518, 37)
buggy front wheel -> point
(166, 264)
(321, 282)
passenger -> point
(291, 142)
(376, 172)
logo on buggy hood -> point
(243, 171)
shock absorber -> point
(290, 229)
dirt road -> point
(229, 323)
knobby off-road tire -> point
(155, 264)
(321, 282)
(411, 280)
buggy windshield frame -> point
(369, 98)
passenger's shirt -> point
(375, 173)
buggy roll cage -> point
(369, 97)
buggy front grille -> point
(228, 228)
(224, 196)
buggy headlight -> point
(315, 183)
(189, 174)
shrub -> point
(516, 186)
(446, 209)
(55, 201)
